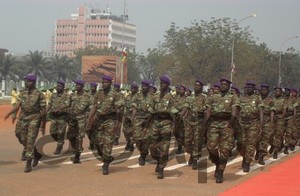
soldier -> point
(117, 88)
(268, 124)
(222, 110)
(188, 92)
(216, 88)
(163, 108)
(92, 133)
(251, 121)
(279, 122)
(235, 90)
(105, 112)
(141, 120)
(58, 109)
(194, 132)
(152, 89)
(127, 124)
(289, 137)
(180, 99)
(79, 108)
(32, 119)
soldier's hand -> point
(13, 119)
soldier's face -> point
(134, 90)
(224, 87)
(264, 91)
(250, 89)
(79, 87)
(182, 91)
(198, 87)
(216, 90)
(93, 89)
(60, 88)
(278, 92)
(293, 93)
(106, 84)
(164, 86)
(29, 83)
(145, 88)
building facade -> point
(92, 27)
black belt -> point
(162, 116)
(110, 116)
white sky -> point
(28, 24)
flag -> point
(124, 55)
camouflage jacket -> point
(249, 107)
(32, 103)
(290, 104)
(142, 104)
(59, 103)
(279, 106)
(268, 107)
(196, 107)
(79, 104)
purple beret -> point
(182, 86)
(165, 79)
(146, 82)
(264, 86)
(277, 87)
(80, 82)
(134, 85)
(216, 85)
(287, 89)
(235, 88)
(250, 83)
(94, 84)
(30, 77)
(153, 86)
(294, 90)
(61, 82)
(225, 80)
(199, 81)
(107, 77)
(117, 85)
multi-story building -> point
(92, 27)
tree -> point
(7, 67)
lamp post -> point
(232, 48)
(279, 65)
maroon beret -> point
(80, 82)
(94, 84)
(30, 77)
(165, 79)
(107, 77)
(61, 82)
(225, 80)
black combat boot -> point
(23, 157)
(116, 141)
(76, 159)
(261, 160)
(256, 156)
(58, 149)
(160, 173)
(195, 164)
(190, 162)
(142, 160)
(286, 150)
(246, 167)
(275, 154)
(271, 150)
(28, 167)
(37, 157)
(131, 147)
(219, 176)
(179, 149)
(127, 146)
(292, 147)
(157, 167)
(216, 171)
(105, 169)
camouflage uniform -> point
(290, 139)
(249, 121)
(163, 107)
(79, 108)
(59, 107)
(106, 105)
(279, 124)
(92, 133)
(194, 132)
(220, 133)
(30, 120)
(180, 103)
(141, 122)
(121, 99)
(127, 124)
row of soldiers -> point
(149, 119)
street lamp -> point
(232, 48)
(279, 65)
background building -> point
(93, 27)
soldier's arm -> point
(234, 113)
(261, 116)
(13, 111)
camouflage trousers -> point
(219, 143)
(76, 132)
(58, 130)
(179, 131)
(119, 127)
(290, 137)
(194, 137)
(160, 138)
(127, 130)
(264, 139)
(105, 135)
(277, 138)
(92, 134)
(141, 135)
(297, 129)
(246, 139)
(27, 132)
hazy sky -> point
(28, 24)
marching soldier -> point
(222, 110)
(117, 88)
(58, 109)
(79, 108)
(92, 133)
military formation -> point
(262, 120)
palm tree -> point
(7, 67)
(37, 64)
